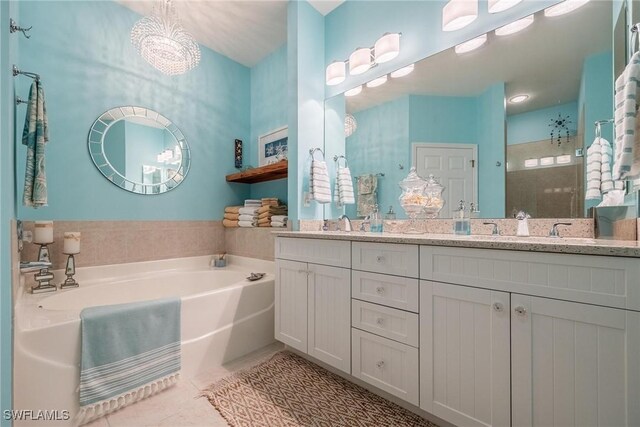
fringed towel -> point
(319, 182)
(627, 125)
(35, 136)
(129, 352)
(367, 194)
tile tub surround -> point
(256, 242)
(116, 242)
(579, 228)
(584, 246)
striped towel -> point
(344, 187)
(627, 125)
(35, 136)
(319, 182)
(129, 352)
(599, 179)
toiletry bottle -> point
(325, 226)
(391, 215)
(376, 221)
(523, 225)
(461, 223)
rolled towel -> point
(264, 221)
(246, 223)
(279, 218)
(278, 224)
(248, 211)
(243, 217)
(231, 216)
(229, 223)
(232, 209)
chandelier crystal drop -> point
(350, 125)
(164, 43)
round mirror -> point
(139, 150)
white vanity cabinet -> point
(313, 301)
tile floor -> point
(181, 405)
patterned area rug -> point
(290, 391)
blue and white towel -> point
(319, 182)
(627, 125)
(343, 194)
(35, 136)
(129, 352)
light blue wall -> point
(360, 23)
(8, 55)
(269, 111)
(114, 146)
(534, 125)
(444, 119)
(85, 75)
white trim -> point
(474, 147)
(273, 135)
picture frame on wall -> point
(273, 146)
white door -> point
(455, 166)
(330, 315)
(291, 303)
(464, 354)
(574, 364)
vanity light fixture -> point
(387, 47)
(563, 159)
(565, 7)
(515, 26)
(335, 73)
(547, 161)
(360, 61)
(458, 14)
(353, 92)
(403, 71)
(496, 6)
(518, 99)
(377, 82)
(470, 45)
(164, 43)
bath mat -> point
(290, 391)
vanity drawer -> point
(392, 291)
(400, 260)
(603, 280)
(388, 365)
(315, 251)
(391, 323)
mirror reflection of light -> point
(458, 14)
(565, 7)
(531, 163)
(546, 161)
(515, 26)
(470, 45)
(353, 92)
(518, 98)
(403, 71)
(564, 159)
(377, 82)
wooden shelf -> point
(261, 174)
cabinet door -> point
(464, 354)
(574, 364)
(291, 303)
(330, 315)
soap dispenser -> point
(523, 225)
(461, 222)
(375, 221)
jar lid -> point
(433, 184)
(412, 181)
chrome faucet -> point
(347, 223)
(554, 230)
(495, 231)
(366, 220)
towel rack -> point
(635, 30)
(598, 124)
(312, 151)
(17, 71)
(380, 174)
(14, 27)
(337, 160)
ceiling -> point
(243, 30)
(545, 61)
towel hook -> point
(16, 71)
(20, 101)
(598, 124)
(13, 28)
(312, 151)
(635, 29)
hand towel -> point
(344, 185)
(243, 217)
(232, 209)
(35, 135)
(599, 177)
(250, 203)
(627, 125)
(319, 182)
(247, 223)
(278, 224)
(129, 352)
(229, 223)
(264, 221)
(248, 211)
(279, 218)
(272, 209)
(231, 216)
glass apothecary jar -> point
(433, 197)
(413, 199)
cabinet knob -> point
(380, 321)
(380, 364)
(520, 310)
(380, 290)
(498, 306)
(380, 259)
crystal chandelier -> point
(350, 125)
(163, 43)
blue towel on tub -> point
(129, 351)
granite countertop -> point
(621, 248)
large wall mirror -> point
(139, 150)
(504, 126)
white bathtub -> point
(224, 316)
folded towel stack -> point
(343, 194)
(319, 182)
(252, 203)
(270, 201)
(265, 214)
(279, 220)
(231, 216)
(248, 216)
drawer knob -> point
(380, 321)
(380, 290)
(380, 364)
(380, 259)
(520, 310)
(498, 306)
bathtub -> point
(224, 316)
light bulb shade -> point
(377, 82)
(565, 7)
(515, 26)
(350, 125)
(335, 73)
(387, 47)
(470, 45)
(403, 71)
(496, 6)
(163, 43)
(353, 92)
(458, 14)
(360, 61)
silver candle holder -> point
(70, 271)
(44, 276)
